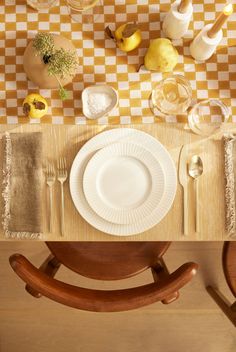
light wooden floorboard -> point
(192, 324)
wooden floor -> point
(192, 324)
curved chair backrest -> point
(229, 264)
(229, 267)
(98, 300)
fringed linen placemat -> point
(22, 185)
(230, 182)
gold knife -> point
(183, 180)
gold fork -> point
(50, 179)
(61, 177)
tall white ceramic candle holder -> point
(176, 24)
(205, 43)
(203, 47)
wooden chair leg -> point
(160, 271)
(50, 267)
(228, 309)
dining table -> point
(67, 140)
(100, 61)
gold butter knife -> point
(183, 180)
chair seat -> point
(108, 260)
(229, 265)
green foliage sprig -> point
(61, 63)
(44, 45)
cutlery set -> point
(190, 167)
(61, 176)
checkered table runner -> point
(101, 61)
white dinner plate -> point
(102, 140)
(123, 183)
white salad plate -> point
(104, 139)
(123, 183)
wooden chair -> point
(104, 261)
(229, 267)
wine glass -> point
(42, 4)
(207, 116)
(172, 95)
(84, 11)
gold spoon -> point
(195, 169)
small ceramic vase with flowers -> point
(51, 62)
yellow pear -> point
(161, 56)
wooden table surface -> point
(67, 140)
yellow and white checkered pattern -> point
(101, 61)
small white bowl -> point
(96, 89)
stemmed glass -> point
(84, 11)
(173, 96)
(207, 116)
(42, 4)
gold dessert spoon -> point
(195, 169)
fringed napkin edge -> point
(7, 198)
(230, 185)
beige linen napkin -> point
(230, 182)
(22, 185)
